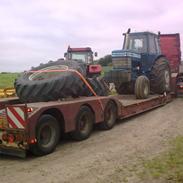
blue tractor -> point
(140, 68)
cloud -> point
(36, 31)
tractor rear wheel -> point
(160, 76)
(124, 88)
(142, 88)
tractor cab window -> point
(152, 45)
(136, 43)
(79, 56)
(157, 45)
(82, 56)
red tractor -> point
(84, 55)
(50, 82)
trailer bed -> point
(127, 100)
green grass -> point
(7, 79)
(167, 166)
(106, 69)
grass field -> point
(106, 69)
(7, 79)
(167, 166)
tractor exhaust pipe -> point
(125, 43)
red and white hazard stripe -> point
(16, 117)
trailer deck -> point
(127, 100)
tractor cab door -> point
(153, 51)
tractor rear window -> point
(77, 56)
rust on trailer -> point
(132, 106)
(13, 135)
(65, 111)
(68, 110)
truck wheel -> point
(110, 116)
(142, 88)
(160, 76)
(47, 135)
(84, 124)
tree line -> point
(105, 61)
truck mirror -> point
(96, 54)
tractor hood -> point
(125, 53)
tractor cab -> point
(80, 54)
(142, 42)
(84, 55)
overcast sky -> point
(36, 31)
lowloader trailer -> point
(37, 127)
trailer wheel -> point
(110, 116)
(47, 135)
(84, 124)
(142, 87)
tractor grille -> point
(122, 63)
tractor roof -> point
(85, 49)
(143, 33)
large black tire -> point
(78, 65)
(84, 124)
(110, 116)
(47, 135)
(124, 88)
(142, 87)
(63, 85)
(160, 76)
(99, 86)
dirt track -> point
(100, 158)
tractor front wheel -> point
(142, 87)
